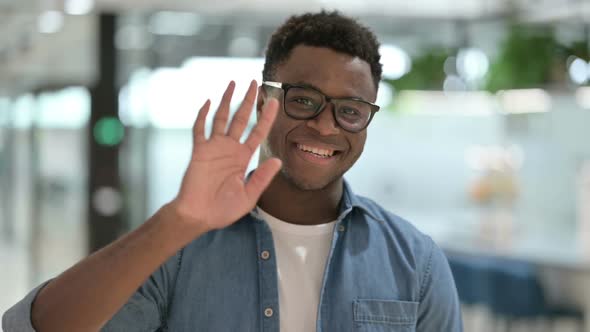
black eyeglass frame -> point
(325, 100)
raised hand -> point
(214, 193)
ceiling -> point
(29, 59)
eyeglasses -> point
(303, 103)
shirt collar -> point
(349, 202)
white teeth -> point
(320, 152)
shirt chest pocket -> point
(384, 316)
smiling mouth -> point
(317, 152)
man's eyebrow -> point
(309, 85)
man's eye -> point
(303, 101)
(349, 111)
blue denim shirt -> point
(381, 275)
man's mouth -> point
(318, 152)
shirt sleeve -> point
(146, 310)
(439, 308)
(18, 317)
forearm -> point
(87, 295)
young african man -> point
(289, 246)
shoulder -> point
(403, 230)
(405, 240)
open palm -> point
(214, 192)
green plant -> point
(527, 58)
(427, 71)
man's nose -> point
(324, 123)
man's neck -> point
(283, 200)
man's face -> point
(336, 75)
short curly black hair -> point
(324, 29)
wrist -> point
(178, 225)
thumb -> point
(261, 178)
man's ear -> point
(260, 99)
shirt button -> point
(268, 312)
(341, 228)
(265, 254)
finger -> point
(260, 131)
(199, 126)
(240, 119)
(261, 178)
(220, 120)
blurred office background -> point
(482, 142)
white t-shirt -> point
(301, 254)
